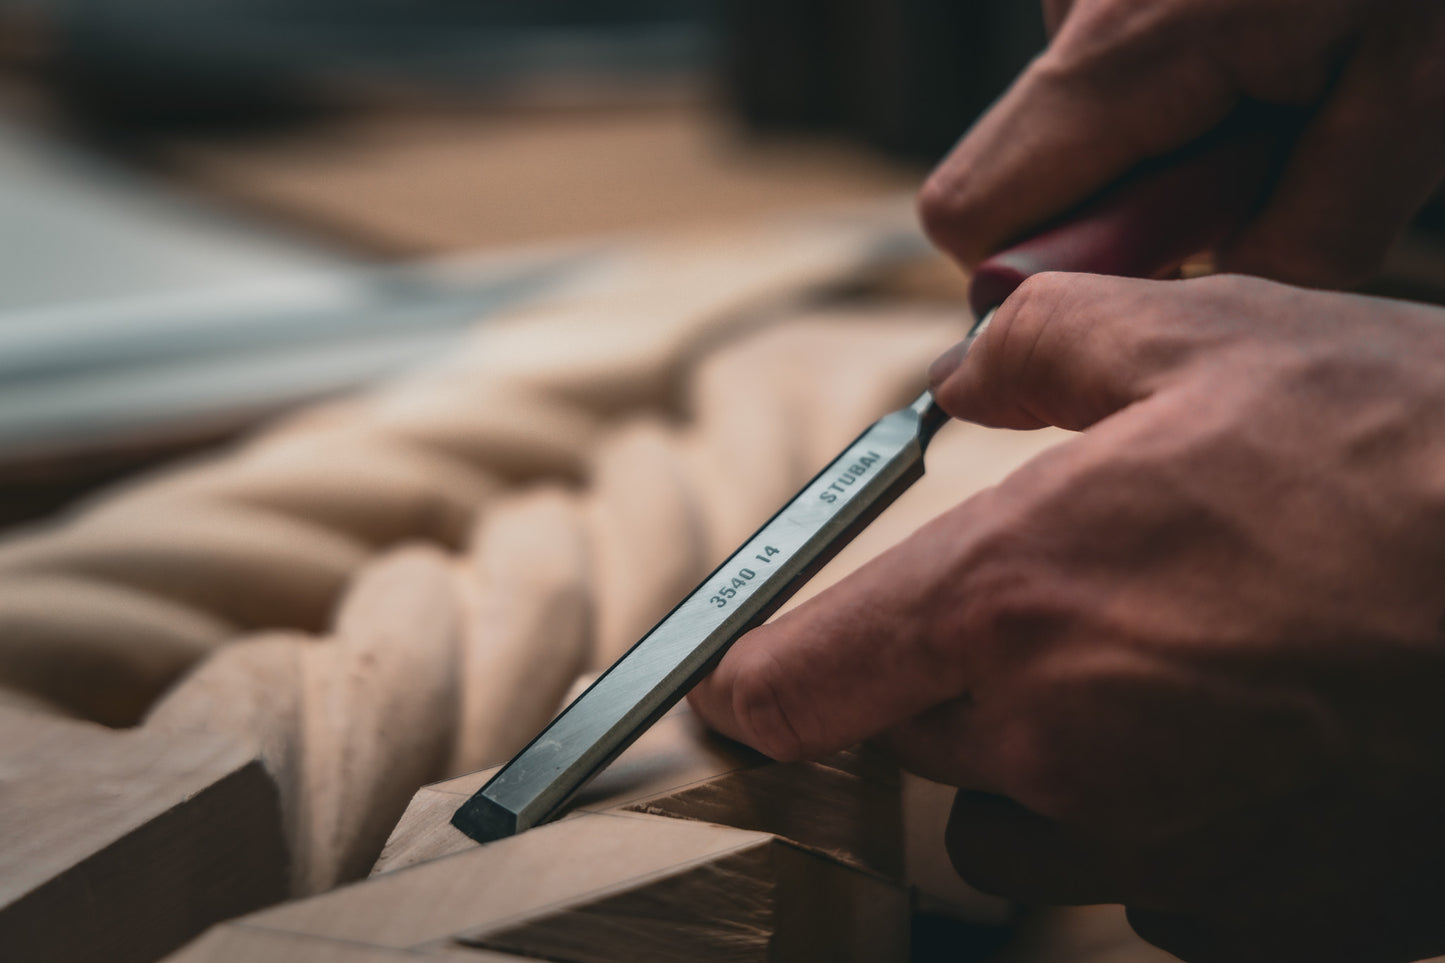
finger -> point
(878, 648)
(1367, 161)
(1071, 349)
(1120, 84)
(1000, 847)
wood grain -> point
(132, 848)
(653, 445)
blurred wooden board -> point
(414, 181)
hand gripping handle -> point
(1150, 223)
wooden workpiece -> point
(120, 846)
(687, 848)
(846, 804)
(292, 673)
(607, 886)
(198, 580)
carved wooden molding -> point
(294, 677)
(687, 849)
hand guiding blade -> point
(1144, 228)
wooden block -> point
(249, 693)
(122, 846)
(611, 886)
(846, 805)
(668, 757)
(553, 865)
(772, 901)
(425, 831)
(819, 804)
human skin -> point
(1191, 660)
(1125, 81)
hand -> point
(1191, 660)
(1124, 81)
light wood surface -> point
(268, 534)
(120, 846)
(688, 848)
(430, 664)
(846, 804)
(646, 456)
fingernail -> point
(946, 364)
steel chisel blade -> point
(738, 596)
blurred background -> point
(214, 209)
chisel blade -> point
(738, 596)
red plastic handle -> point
(1152, 222)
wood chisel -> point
(1144, 229)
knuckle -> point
(1010, 613)
(1039, 296)
(947, 215)
(1027, 313)
(1214, 305)
(1007, 609)
(1225, 304)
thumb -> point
(870, 652)
(1069, 350)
